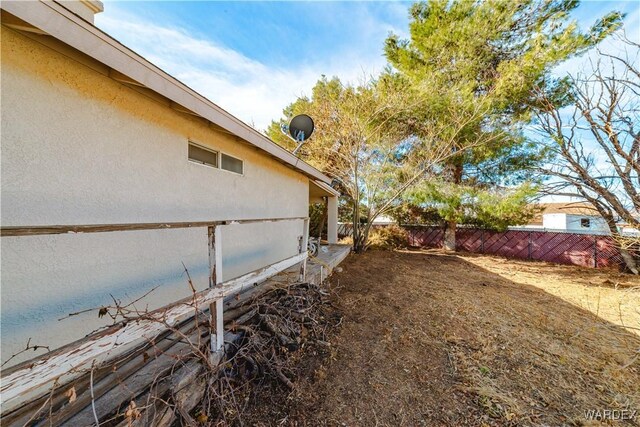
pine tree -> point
(490, 55)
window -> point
(214, 159)
(585, 222)
(203, 155)
(231, 164)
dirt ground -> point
(429, 338)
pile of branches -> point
(174, 379)
(279, 327)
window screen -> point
(203, 156)
(232, 164)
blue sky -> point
(254, 58)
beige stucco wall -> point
(81, 148)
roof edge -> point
(326, 187)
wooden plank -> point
(217, 339)
(193, 332)
(214, 271)
(132, 386)
(215, 279)
(104, 378)
(14, 231)
(32, 380)
(183, 385)
(187, 388)
(304, 244)
(215, 256)
(180, 386)
(217, 259)
(217, 336)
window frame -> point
(219, 155)
(202, 147)
(235, 158)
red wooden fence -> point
(587, 250)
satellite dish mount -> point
(300, 129)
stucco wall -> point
(81, 148)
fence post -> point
(482, 241)
(304, 242)
(595, 251)
(215, 278)
(529, 246)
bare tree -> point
(592, 132)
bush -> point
(388, 237)
(347, 240)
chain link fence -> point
(587, 250)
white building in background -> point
(572, 217)
(384, 220)
(575, 222)
(627, 230)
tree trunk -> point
(450, 228)
(450, 236)
(356, 225)
(627, 257)
(365, 236)
(630, 262)
(360, 245)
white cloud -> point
(252, 91)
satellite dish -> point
(301, 127)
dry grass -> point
(607, 294)
(385, 238)
(574, 348)
(437, 339)
(389, 237)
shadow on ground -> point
(432, 339)
(609, 277)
